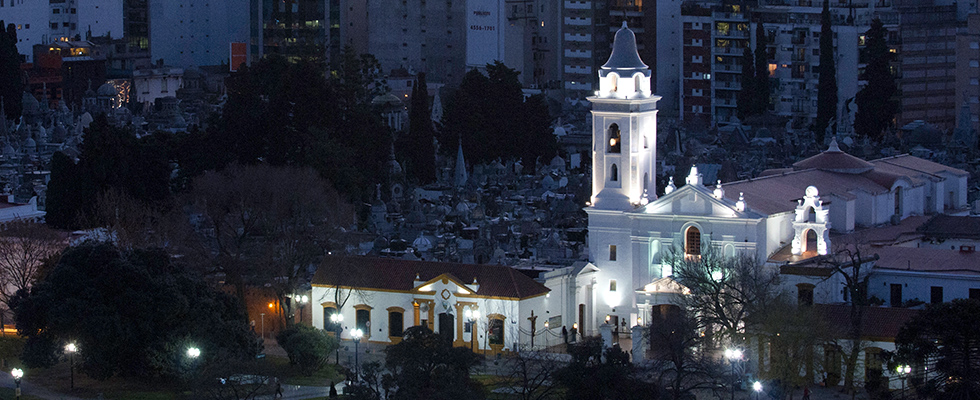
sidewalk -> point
(26, 388)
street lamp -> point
(472, 316)
(17, 373)
(733, 355)
(336, 318)
(903, 372)
(356, 335)
(193, 352)
(301, 300)
(71, 348)
(757, 386)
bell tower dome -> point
(624, 129)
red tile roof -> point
(836, 161)
(920, 165)
(878, 323)
(944, 226)
(399, 275)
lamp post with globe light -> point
(733, 355)
(17, 373)
(903, 373)
(472, 316)
(301, 300)
(757, 386)
(356, 335)
(71, 348)
(337, 318)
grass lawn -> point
(8, 393)
(291, 375)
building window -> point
(328, 324)
(612, 252)
(614, 138)
(396, 321)
(692, 242)
(936, 294)
(804, 294)
(495, 331)
(614, 173)
(363, 319)
(974, 294)
(612, 285)
(898, 201)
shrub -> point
(307, 347)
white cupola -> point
(624, 75)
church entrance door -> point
(446, 325)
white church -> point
(783, 217)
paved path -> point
(27, 388)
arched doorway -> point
(446, 326)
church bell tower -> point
(624, 130)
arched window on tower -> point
(614, 173)
(636, 83)
(615, 81)
(614, 139)
(692, 242)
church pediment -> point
(693, 199)
(665, 285)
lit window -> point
(612, 252)
(612, 285)
(692, 244)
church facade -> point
(783, 217)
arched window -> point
(898, 201)
(614, 139)
(614, 173)
(396, 319)
(615, 81)
(646, 142)
(692, 242)
(636, 83)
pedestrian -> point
(333, 390)
(564, 334)
(806, 392)
(278, 388)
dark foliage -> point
(763, 94)
(876, 102)
(610, 374)
(11, 76)
(945, 339)
(307, 347)
(827, 84)
(131, 313)
(417, 146)
(746, 96)
(494, 121)
(426, 366)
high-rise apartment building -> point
(585, 45)
(928, 63)
(46, 21)
(185, 33)
(293, 29)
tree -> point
(726, 292)
(849, 263)
(746, 95)
(426, 366)
(62, 205)
(792, 332)
(533, 374)
(307, 347)
(11, 76)
(682, 366)
(494, 121)
(944, 339)
(876, 102)
(597, 374)
(134, 313)
(827, 84)
(268, 225)
(418, 143)
(763, 93)
(25, 247)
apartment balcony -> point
(578, 37)
(728, 51)
(578, 85)
(732, 33)
(724, 102)
(726, 68)
(729, 16)
(578, 53)
(798, 58)
(730, 85)
(578, 21)
(578, 5)
(578, 69)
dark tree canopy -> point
(417, 146)
(131, 313)
(762, 90)
(827, 85)
(11, 77)
(597, 374)
(944, 339)
(746, 101)
(876, 102)
(426, 366)
(494, 120)
(111, 158)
